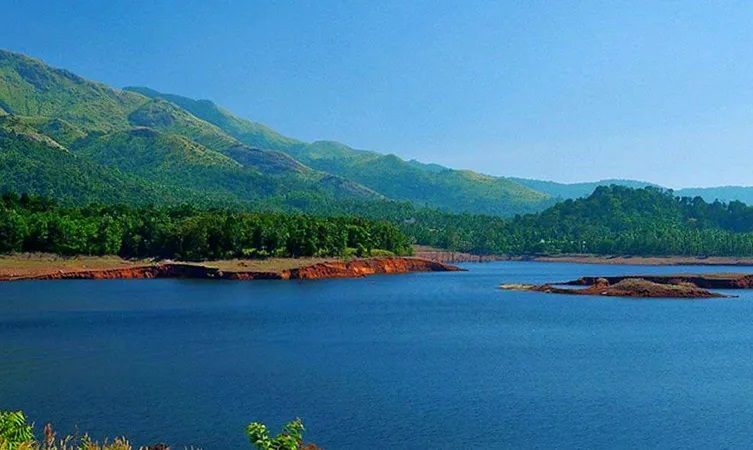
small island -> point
(646, 286)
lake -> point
(431, 360)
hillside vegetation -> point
(29, 87)
(424, 185)
(31, 162)
(612, 220)
(126, 147)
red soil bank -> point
(333, 269)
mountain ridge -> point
(422, 184)
(75, 113)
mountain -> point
(250, 133)
(169, 147)
(28, 87)
(428, 185)
(149, 142)
(447, 190)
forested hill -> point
(617, 219)
(612, 220)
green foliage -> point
(13, 429)
(291, 437)
(61, 110)
(144, 149)
(612, 220)
(34, 163)
(168, 118)
(76, 143)
(575, 190)
(722, 193)
(165, 116)
(60, 131)
(17, 434)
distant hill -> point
(424, 185)
(576, 190)
(723, 193)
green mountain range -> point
(77, 140)
(427, 185)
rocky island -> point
(646, 286)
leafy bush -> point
(14, 430)
(291, 437)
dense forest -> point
(36, 224)
(612, 220)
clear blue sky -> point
(569, 91)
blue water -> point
(438, 360)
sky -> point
(660, 91)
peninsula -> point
(51, 267)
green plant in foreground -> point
(291, 437)
(14, 430)
(17, 434)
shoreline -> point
(447, 256)
(56, 268)
(637, 260)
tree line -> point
(612, 220)
(36, 224)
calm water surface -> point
(439, 360)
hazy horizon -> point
(569, 93)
